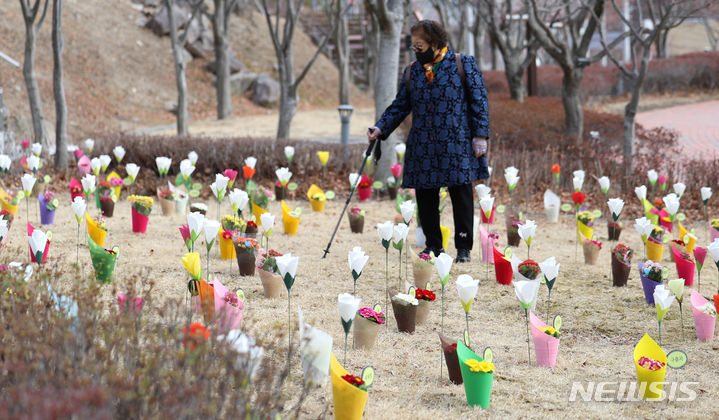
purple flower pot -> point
(647, 284)
(47, 217)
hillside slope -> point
(119, 76)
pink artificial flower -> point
(700, 254)
(78, 153)
(396, 170)
(25, 144)
(130, 307)
(230, 174)
(662, 179)
(116, 182)
(185, 232)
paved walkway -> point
(697, 124)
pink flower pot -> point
(364, 193)
(139, 222)
(546, 347)
(703, 323)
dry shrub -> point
(105, 364)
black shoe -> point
(463, 256)
(436, 252)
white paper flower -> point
(239, 199)
(348, 306)
(36, 149)
(316, 351)
(28, 182)
(211, 229)
(577, 182)
(486, 204)
(579, 174)
(268, 222)
(526, 231)
(79, 207)
(615, 206)
(467, 289)
(512, 180)
(653, 176)
(195, 221)
(119, 153)
(713, 249)
(89, 145)
(400, 149)
(677, 287)
(5, 163)
(525, 291)
(249, 354)
(357, 260)
(594, 134)
(251, 162)
(706, 193)
(482, 191)
(641, 192)
(287, 264)
(289, 152)
(511, 171)
(354, 179)
(163, 164)
(644, 226)
(405, 299)
(407, 209)
(385, 230)
(3, 228)
(399, 234)
(186, 168)
(604, 184)
(132, 170)
(283, 175)
(105, 161)
(95, 165)
(671, 201)
(550, 268)
(88, 183)
(679, 189)
(443, 264)
(663, 300)
(38, 241)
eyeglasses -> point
(415, 48)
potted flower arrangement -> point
(181, 202)
(270, 276)
(349, 392)
(141, 209)
(477, 375)
(685, 266)
(167, 200)
(621, 264)
(424, 297)
(250, 229)
(713, 230)
(318, 201)
(585, 221)
(198, 208)
(48, 205)
(655, 244)
(231, 226)
(364, 189)
(261, 198)
(356, 217)
(107, 198)
(404, 307)
(546, 342)
(7, 216)
(422, 268)
(614, 230)
(651, 364)
(591, 251)
(705, 316)
(96, 228)
(449, 348)
(651, 273)
(280, 191)
(9, 201)
(246, 250)
(513, 221)
(679, 245)
(76, 189)
(392, 185)
(366, 326)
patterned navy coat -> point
(444, 121)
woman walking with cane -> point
(447, 144)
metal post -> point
(345, 115)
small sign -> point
(377, 308)
(427, 286)
(566, 207)
(46, 179)
(466, 337)
(685, 238)
(194, 193)
(677, 359)
(292, 186)
(665, 272)
(330, 195)
(500, 209)
(508, 253)
(597, 213)
(240, 294)
(297, 211)
(412, 291)
(557, 322)
(488, 355)
(377, 185)
(196, 186)
(367, 375)
(681, 217)
(666, 239)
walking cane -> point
(367, 154)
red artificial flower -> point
(365, 182)
(353, 380)
(251, 224)
(78, 153)
(193, 335)
(425, 295)
(25, 144)
(578, 197)
(556, 168)
(659, 204)
(248, 172)
(662, 179)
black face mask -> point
(426, 56)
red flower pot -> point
(139, 222)
(364, 193)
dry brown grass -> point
(601, 323)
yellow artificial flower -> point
(477, 366)
(551, 331)
(319, 197)
(191, 261)
(324, 157)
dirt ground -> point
(601, 323)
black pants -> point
(462, 207)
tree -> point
(58, 87)
(642, 38)
(342, 43)
(30, 13)
(178, 46)
(508, 28)
(221, 32)
(282, 43)
(451, 11)
(389, 16)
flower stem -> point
(660, 333)
(208, 263)
(78, 244)
(466, 318)
(386, 280)
(289, 321)
(529, 354)
(344, 362)
(549, 297)
(443, 309)
(399, 281)
(681, 316)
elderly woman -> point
(447, 144)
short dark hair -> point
(431, 31)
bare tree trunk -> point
(712, 36)
(343, 54)
(59, 88)
(182, 116)
(479, 33)
(288, 95)
(515, 79)
(28, 70)
(221, 32)
(571, 98)
(660, 44)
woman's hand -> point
(479, 145)
(373, 133)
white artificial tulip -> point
(192, 156)
(641, 192)
(354, 179)
(511, 170)
(443, 263)
(316, 351)
(289, 153)
(467, 288)
(671, 202)
(594, 134)
(3, 228)
(105, 161)
(526, 231)
(195, 221)
(385, 230)
(679, 189)
(512, 180)
(186, 168)
(407, 209)
(249, 354)
(663, 300)
(283, 175)
(239, 199)
(677, 287)
(211, 229)
(88, 183)
(579, 174)
(653, 176)
(482, 191)
(95, 165)
(604, 184)
(348, 306)
(89, 145)
(163, 164)
(36, 149)
(287, 265)
(399, 235)
(713, 249)
(5, 163)
(486, 204)
(119, 153)
(549, 268)
(645, 227)
(489, 169)
(706, 194)
(400, 149)
(615, 206)
(526, 290)
(38, 241)
(251, 162)
(132, 170)
(268, 222)
(221, 181)
(28, 182)
(577, 182)
(79, 207)
(357, 260)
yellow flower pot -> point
(650, 382)
(97, 233)
(291, 223)
(445, 236)
(227, 248)
(258, 211)
(655, 251)
(349, 401)
(584, 231)
(5, 201)
(318, 205)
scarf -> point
(429, 68)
